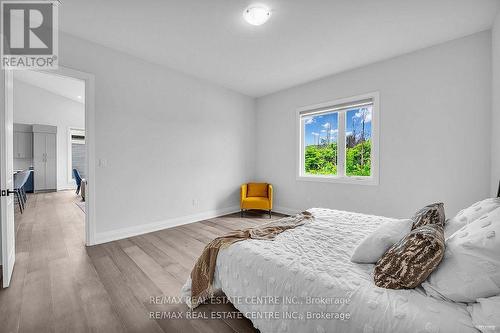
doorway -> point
(42, 147)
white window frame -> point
(373, 179)
(71, 131)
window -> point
(338, 141)
(76, 152)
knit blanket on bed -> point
(203, 271)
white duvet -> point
(274, 282)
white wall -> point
(169, 139)
(33, 105)
(175, 148)
(434, 132)
(495, 120)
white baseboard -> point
(109, 236)
(67, 187)
(286, 210)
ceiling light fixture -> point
(257, 14)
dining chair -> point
(20, 180)
(78, 180)
(25, 175)
(18, 177)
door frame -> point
(6, 213)
(90, 190)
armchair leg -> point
(270, 214)
(241, 213)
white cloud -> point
(323, 131)
(334, 131)
(368, 113)
(326, 125)
(314, 133)
(309, 120)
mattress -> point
(304, 281)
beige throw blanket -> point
(202, 274)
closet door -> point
(50, 161)
(39, 160)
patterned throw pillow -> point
(410, 261)
(430, 214)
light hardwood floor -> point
(59, 285)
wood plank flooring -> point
(59, 285)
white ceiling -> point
(304, 39)
(60, 85)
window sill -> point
(372, 181)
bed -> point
(304, 281)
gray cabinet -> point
(45, 157)
(23, 141)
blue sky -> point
(319, 126)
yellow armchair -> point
(256, 196)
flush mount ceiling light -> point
(257, 14)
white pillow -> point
(486, 314)
(378, 242)
(471, 266)
(470, 214)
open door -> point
(6, 176)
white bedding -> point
(313, 260)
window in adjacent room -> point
(77, 152)
(338, 141)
